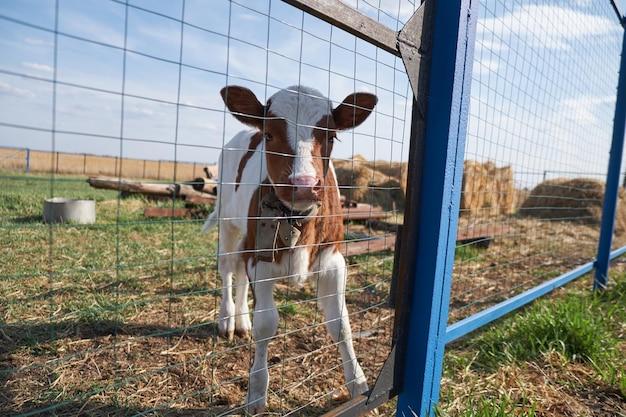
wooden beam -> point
(364, 212)
(352, 21)
(361, 247)
(183, 191)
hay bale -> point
(359, 181)
(576, 200)
(505, 188)
(487, 190)
(395, 170)
(355, 178)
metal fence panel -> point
(540, 126)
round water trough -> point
(63, 210)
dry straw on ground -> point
(487, 190)
(577, 199)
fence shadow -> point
(16, 337)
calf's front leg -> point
(331, 300)
(264, 325)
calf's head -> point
(299, 126)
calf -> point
(281, 217)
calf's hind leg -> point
(242, 313)
(227, 265)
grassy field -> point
(563, 356)
(118, 318)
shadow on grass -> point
(94, 408)
(25, 335)
(26, 219)
(97, 409)
(38, 338)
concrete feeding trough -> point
(64, 210)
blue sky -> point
(542, 95)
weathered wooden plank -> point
(619, 10)
(483, 235)
(377, 244)
(352, 21)
(365, 212)
(183, 191)
(167, 212)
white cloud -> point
(38, 67)
(92, 28)
(584, 109)
(551, 27)
(571, 136)
(250, 17)
(37, 41)
(485, 65)
(390, 8)
(9, 89)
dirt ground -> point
(119, 318)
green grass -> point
(91, 272)
(582, 328)
(287, 310)
(578, 326)
(502, 406)
(468, 253)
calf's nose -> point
(304, 181)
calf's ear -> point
(354, 110)
(243, 104)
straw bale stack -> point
(576, 200)
(487, 190)
(362, 181)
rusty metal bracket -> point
(414, 45)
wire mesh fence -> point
(35, 161)
(122, 317)
(540, 125)
(140, 313)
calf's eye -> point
(268, 137)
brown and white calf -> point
(287, 154)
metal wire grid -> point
(541, 112)
(107, 320)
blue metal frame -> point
(613, 178)
(453, 34)
(478, 320)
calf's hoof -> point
(243, 334)
(226, 329)
(358, 387)
(256, 406)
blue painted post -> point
(27, 168)
(453, 34)
(612, 178)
